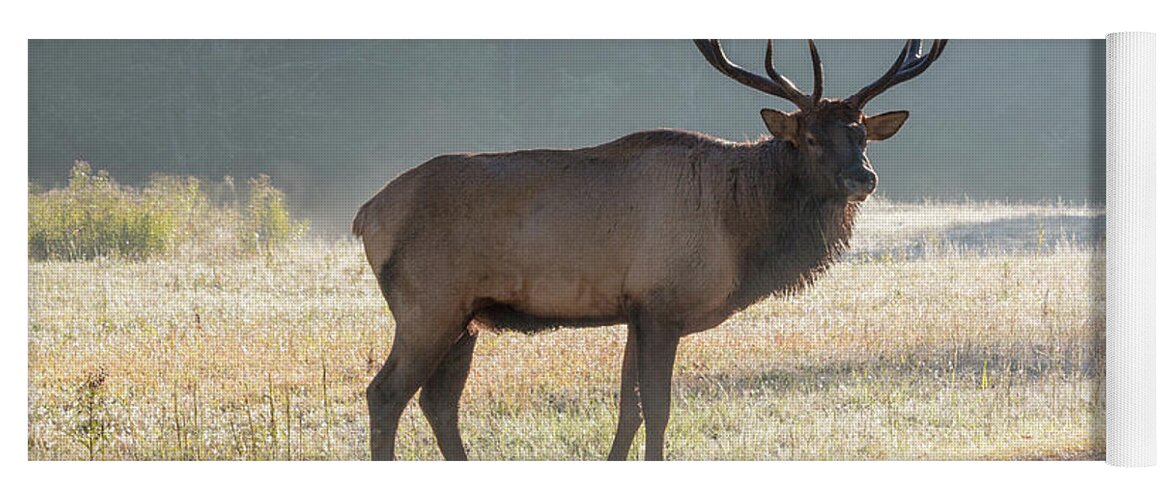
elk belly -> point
(562, 296)
(546, 304)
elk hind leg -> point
(441, 393)
(418, 348)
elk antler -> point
(778, 85)
(910, 63)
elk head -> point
(829, 135)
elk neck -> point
(790, 234)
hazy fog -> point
(332, 121)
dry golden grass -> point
(949, 332)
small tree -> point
(269, 223)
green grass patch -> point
(94, 216)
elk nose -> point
(860, 185)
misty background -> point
(332, 121)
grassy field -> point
(971, 331)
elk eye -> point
(810, 141)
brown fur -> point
(663, 215)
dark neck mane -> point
(791, 234)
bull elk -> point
(670, 232)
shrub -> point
(203, 229)
(93, 216)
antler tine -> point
(916, 47)
(768, 63)
(817, 72)
(868, 92)
(772, 71)
(778, 86)
(910, 63)
(937, 49)
(779, 78)
(919, 64)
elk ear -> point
(780, 124)
(884, 126)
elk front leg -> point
(629, 416)
(440, 397)
(657, 344)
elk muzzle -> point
(859, 184)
